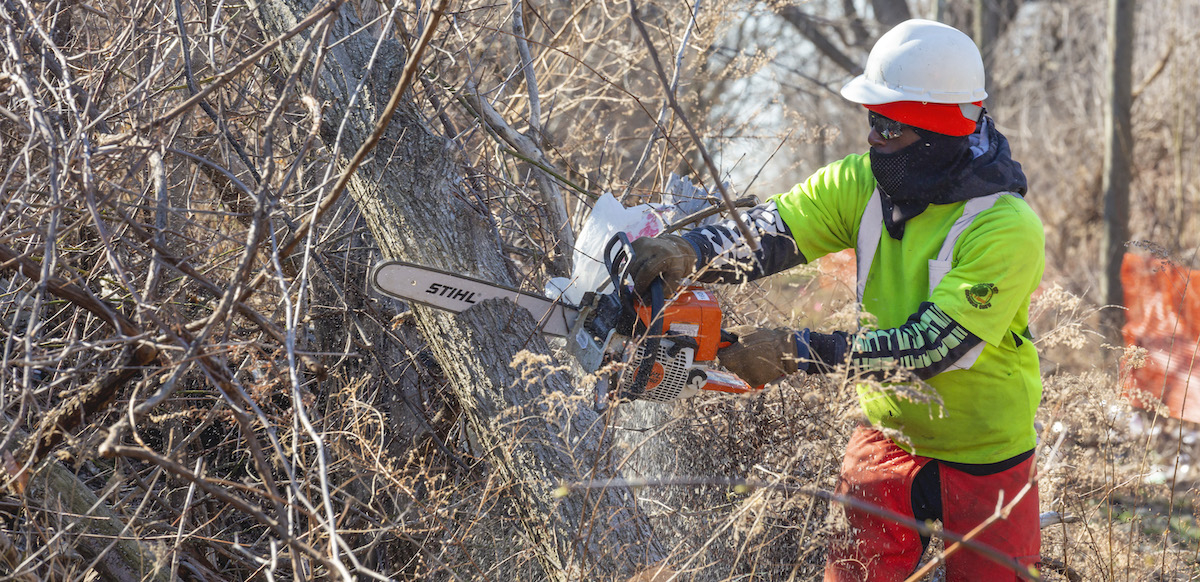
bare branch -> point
(220, 493)
(656, 132)
(809, 28)
(751, 239)
(529, 150)
(531, 86)
(317, 14)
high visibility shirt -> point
(981, 414)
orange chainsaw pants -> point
(877, 471)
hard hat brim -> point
(864, 92)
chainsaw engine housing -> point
(666, 344)
(682, 359)
(693, 314)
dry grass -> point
(258, 463)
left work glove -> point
(765, 355)
(669, 255)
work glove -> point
(764, 355)
(668, 255)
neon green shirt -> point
(987, 411)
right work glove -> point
(764, 355)
(669, 256)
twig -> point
(301, 416)
(52, 58)
(545, 166)
(220, 80)
(528, 150)
(97, 395)
(11, 259)
(1154, 72)
(751, 240)
(666, 108)
(164, 255)
(193, 88)
(743, 202)
(768, 160)
(219, 493)
(496, 126)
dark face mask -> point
(926, 172)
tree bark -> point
(1118, 160)
(411, 197)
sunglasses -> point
(886, 128)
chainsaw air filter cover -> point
(673, 375)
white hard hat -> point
(923, 61)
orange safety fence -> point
(1163, 316)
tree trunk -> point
(1118, 160)
(991, 19)
(411, 195)
(891, 12)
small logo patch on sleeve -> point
(980, 295)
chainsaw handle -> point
(617, 264)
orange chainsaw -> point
(664, 348)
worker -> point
(949, 254)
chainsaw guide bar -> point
(457, 293)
